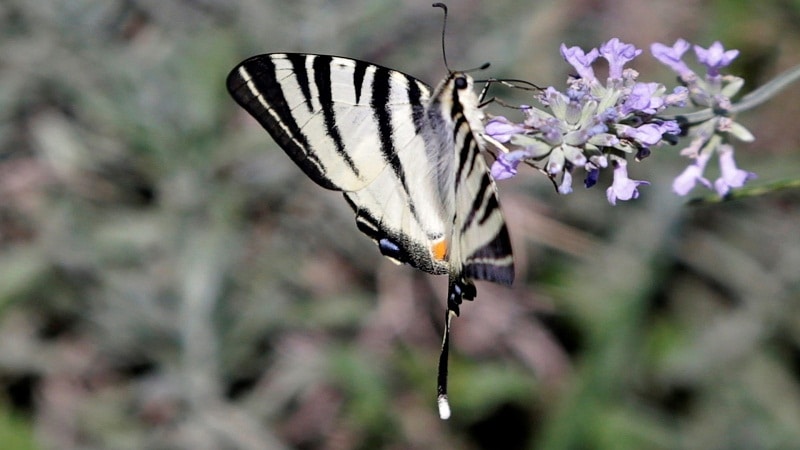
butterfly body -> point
(407, 159)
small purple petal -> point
(647, 134)
(581, 61)
(643, 99)
(503, 129)
(670, 127)
(732, 177)
(598, 128)
(609, 115)
(600, 161)
(618, 54)
(715, 57)
(678, 98)
(671, 56)
(591, 178)
(505, 166)
(690, 176)
(551, 95)
(623, 188)
(556, 161)
(551, 131)
(566, 183)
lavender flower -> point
(713, 133)
(566, 183)
(732, 177)
(590, 121)
(686, 181)
(591, 178)
(581, 61)
(671, 56)
(623, 188)
(503, 129)
(715, 57)
(644, 98)
(506, 164)
(647, 134)
(618, 54)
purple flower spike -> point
(732, 177)
(582, 62)
(715, 57)
(503, 129)
(693, 174)
(618, 54)
(506, 164)
(671, 56)
(623, 188)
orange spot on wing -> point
(439, 250)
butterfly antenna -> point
(483, 66)
(444, 29)
(507, 82)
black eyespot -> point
(461, 82)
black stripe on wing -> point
(492, 262)
(381, 92)
(358, 80)
(300, 72)
(477, 205)
(322, 79)
(275, 113)
(417, 109)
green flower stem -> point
(749, 101)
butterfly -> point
(406, 157)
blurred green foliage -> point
(169, 279)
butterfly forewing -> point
(319, 109)
(359, 128)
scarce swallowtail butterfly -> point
(406, 157)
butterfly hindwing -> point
(482, 248)
(483, 236)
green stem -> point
(753, 191)
(747, 102)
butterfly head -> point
(457, 86)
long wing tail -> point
(459, 288)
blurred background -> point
(169, 279)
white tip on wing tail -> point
(444, 407)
